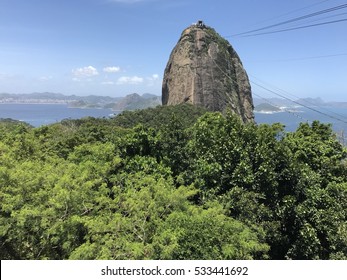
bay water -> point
(44, 114)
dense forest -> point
(172, 182)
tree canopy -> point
(173, 182)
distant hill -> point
(135, 101)
(130, 102)
(338, 104)
(51, 97)
(266, 108)
(275, 101)
(310, 102)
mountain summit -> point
(205, 70)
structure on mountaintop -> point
(204, 69)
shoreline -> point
(57, 103)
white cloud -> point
(84, 72)
(152, 80)
(111, 69)
(129, 80)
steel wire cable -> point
(336, 8)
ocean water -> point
(43, 114)
(335, 116)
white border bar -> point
(103, 270)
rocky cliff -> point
(205, 70)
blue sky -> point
(117, 47)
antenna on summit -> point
(200, 24)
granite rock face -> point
(204, 69)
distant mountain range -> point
(279, 104)
(266, 108)
(135, 101)
(130, 102)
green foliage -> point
(192, 235)
(267, 178)
(160, 116)
(171, 183)
(129, 218)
